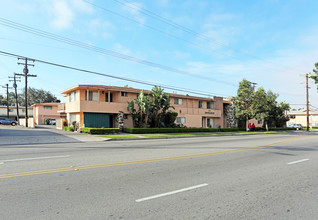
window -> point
(48, 107)
(200, 104)
(178, 101)
(92, 96)
(259, 122)
(110, 99)
(10, 110)
(181, 120)
(292, 116)
(210, 105)
(125, 116)
(72, 97)
(124, 94)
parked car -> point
(7, 121)
(53, 122)
(297, 126)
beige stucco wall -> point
(103, 107)
(30, 122)
(302, 119)
(40, 113)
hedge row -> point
(270, 129)
(229, 129)
(100, 130)
(174, 130)
(282, 129)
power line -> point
(70, 41)
(186, 29)
(158, 30)
(114, 77)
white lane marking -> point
(298, 161)
(172, 192)
(33, 158)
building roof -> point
(131, 90)
(46, 104)
(302, 112)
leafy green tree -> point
(279, 118)
(315, 76)
(37, 96)
(263, 106)
(3, 100)
(244, 101)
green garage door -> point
(97, 120)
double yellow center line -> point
(137, 161)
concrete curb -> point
(172, 137)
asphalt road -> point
(236, 177)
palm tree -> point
(160, 105)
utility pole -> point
(7, 87)
(254, 84)
(16, 93)
(307, 101)
(26, 75)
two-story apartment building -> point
(98, 106)
(42, 111)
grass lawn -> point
(191, 134)
(117, 136)
(194, 134)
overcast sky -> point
(203, 45)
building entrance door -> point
(210, 122)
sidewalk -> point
(16, 135)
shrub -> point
(100, 130)
(167, 130)
(229, 129)
(259, 129)
(281, 129)
(68, 128)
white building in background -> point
(300, 117)
(13, 112)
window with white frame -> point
(48, 107)
(92, 96)
(124, 94)
(178, 101)
(200, 104)
(210, 105)
(181, 120)
(72, 97)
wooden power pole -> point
(26, 75)
(16, 93)
(307, 101)
(7, 87)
